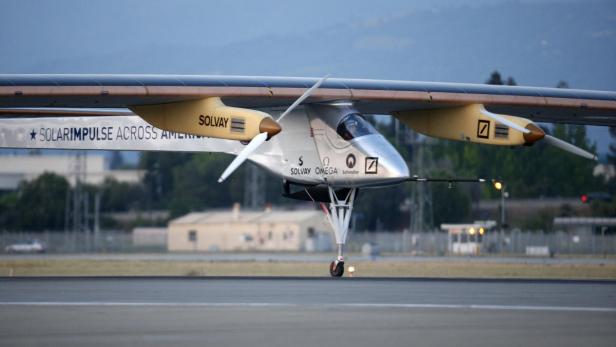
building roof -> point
(229, 216)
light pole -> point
(498, 185)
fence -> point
(431, 243)
(515, 242)
(71, 242)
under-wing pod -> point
(471, 123)
(208, 117)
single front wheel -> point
(336, 268)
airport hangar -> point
(235, 230)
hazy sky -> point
(538, 42)
(93, 26)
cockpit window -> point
(354, 125)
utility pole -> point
(421, 202)
(504, 195)
(86, 219)
(418, 190)
(97, 208)
(498, 185)
(78, 210)
(502, 219)
(254, 187)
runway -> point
(305, 312)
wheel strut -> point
(339, 217)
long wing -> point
(369, 96)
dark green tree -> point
(611, 157)
(159, 177)
(562, 84)
(9, 215)
(450, 204)
(116, 162)
(121, 196)
(495, 78)
(605, 208)
(40, 203)
(195, 184)
(382, 206)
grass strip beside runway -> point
(383, 268)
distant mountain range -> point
(538, 43)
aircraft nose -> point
(395, 167)
(384, 165)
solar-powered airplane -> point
(310, 132)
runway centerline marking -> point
(310, 305)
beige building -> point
(235, 230)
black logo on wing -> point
(483, 129)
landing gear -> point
(339, 217)
(336, 268)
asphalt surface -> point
(305, 312)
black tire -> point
(336, 269)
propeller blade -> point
(302, 98)
(566, 146)
(243, 155)
(504, 120)
(269, 128)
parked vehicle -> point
(33, 246)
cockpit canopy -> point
(353, 125)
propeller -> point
(239, 159)
(302, 98)
(267, 128)
(533, 133)
(566, 146)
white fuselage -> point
(309, 150)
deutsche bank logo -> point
(483, 129)
(372, 165)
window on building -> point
(270, 235)
(192, 236)
(311, 232)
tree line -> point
(184, 182)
